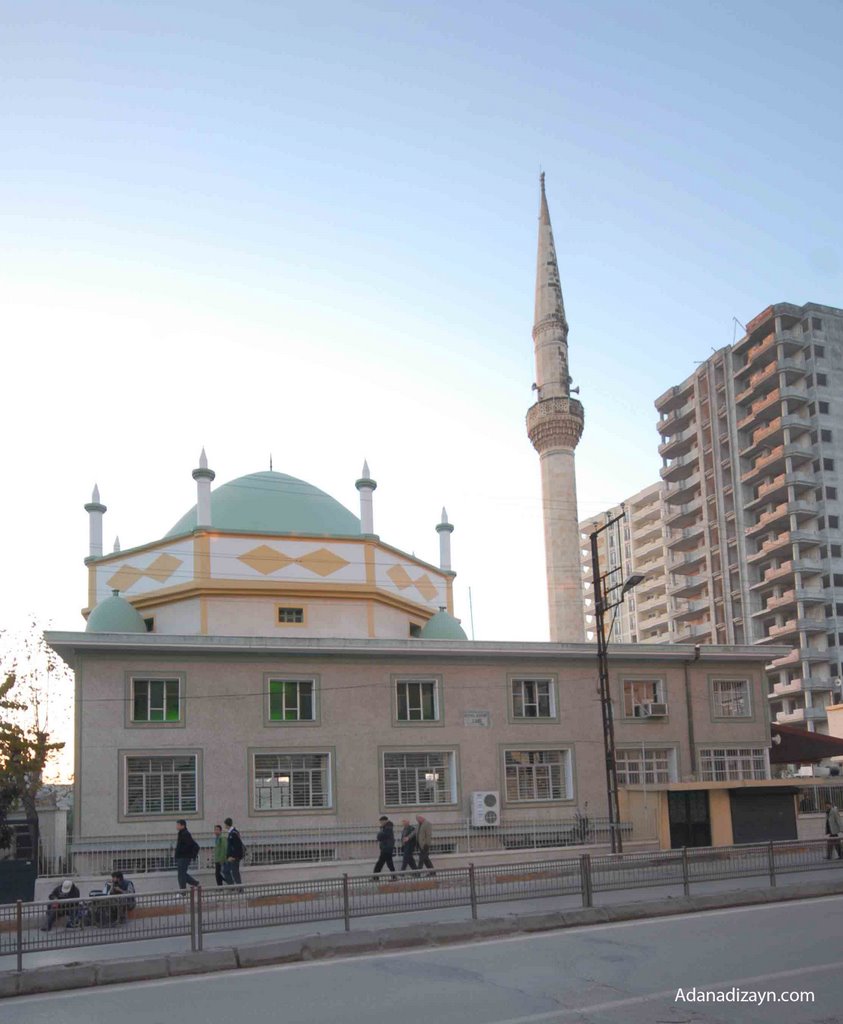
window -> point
(290, 616)
(816, 323)
(161, 785)
(825, 435)
(819, 351)
(831, 639)
(535, 775)
(838, 579)
(640, 694)
(150, 624)
(822, 380)
(292, 700)
(285, 781)
(533, 698)
(415, 629)
(417, 700)
(644, 766)
(831, 493)
(729, 764)
(730, 698)
(824, 407)
(419, 777)
(156, 700)
(828, 463)
(835, 550)
(833, 522)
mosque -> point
(271, 658)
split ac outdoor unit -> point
(485, 808)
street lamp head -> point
(632, 581)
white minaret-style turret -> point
(554, 425)
(116, 547)
(366, 486)
(96, 510)
(203, 477)
(444, 529)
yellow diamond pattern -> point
(399, 577)
(163, 568)
(425, 587)
(125, 577)
(323, 562)
(160, 570)
(266, 560)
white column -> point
(366, 486)
(95, 510)
(444, 529)
(203, 477)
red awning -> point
(798, 746)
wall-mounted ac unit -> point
(485, 808)
(658, 710)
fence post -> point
(771, 862)
(198, 890)
(346, 908)
(19, 931)
(585, 880)
(472, 888)
(192, 913)
(686, 881)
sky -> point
(309, 231)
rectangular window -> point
(292, 780)
(640, 694)
(418, 777)
(417, 700)
(156, 700)
(290, 616)
(730, 698)
(824, 407)
(533, 698)
(825, 435)
(537, 775)
(161, 785)
(644, 766)
(816, 323)
(819, 351)
(291, 700)
(732, 764)
(833, 522)
(822, 380)
(828, 463)
(831, 493)
(835, 550)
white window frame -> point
(520, 777)
(518, 694)
(421, 681)
(645, 766)
(312, 681)
(287, 782)
(154, 786)
(427, 778)
(631, 702)
(733, 764)
(720, 702)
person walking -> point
(234, 853)
(833, 828)
(220, 854)
(187, 849)
(386, 842)
(408, 845)
(424, 837)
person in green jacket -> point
(220, 853)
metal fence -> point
(812, 799)
(194, 913)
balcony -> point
(799, 715)
(766, 376)
(797, 425)
(808, 538)
(797, 655)
(777, 602)
(645, 552)
(814, 595)
(793, 370)
(695, 631)
(692, 610)
(681, 467)
(807, 566)
(676, 397)
(685, 540)
(676, 420)
(793, 686)
(753, 355)
(682, 491)
(684, 515)
(794, 396)
(679, 443)
(780, 543)
(770, 432)
(804, 510)
(769, 491)
(792, 341)
(764, 463)
(686, 563)
(769, 403)
(776, 515)
(688, 586)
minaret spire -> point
(554, 426)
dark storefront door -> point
(690, 824)
(759, 815)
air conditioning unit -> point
(658, 710)
(485, 808)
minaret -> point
(203, 477)
(96, 510)
(366, 486)
(444, 529)
(554, 425)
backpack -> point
(194, 849)
(130, 888)
(238, 847)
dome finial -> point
(116, 544)
(203, 459)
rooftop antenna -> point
(471, 612)
(735, 324)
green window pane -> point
(276, 703)
(306, 701)
(427, 703)
(140, 711)
(403, 712)
(172, 708)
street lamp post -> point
(609, 592)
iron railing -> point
(193, 913)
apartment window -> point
(732, 764)
(839, 608)
(838, 579)
(831, 640)
(156, 700)
(290, 616)
(829, 611)
(816, 465)
(417, 700)
(533, 698)
(640, 694)
(287, 781)
(819, 351)
(425, 777)
(825, 435)
(161, 785)
(816, 323)
(822, 380)
(833, 522)
(644, 766)
(292, 700)
(831, 493)
(730, 698)
(835, 550)
(828, 463)
(824, 407)
(537, 775)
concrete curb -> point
(150, 968)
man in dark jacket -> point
(187, 849)
(833, 828)
(386, 842)
(234, 851)
(64, 901)
(408, 845)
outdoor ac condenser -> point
(485, 808)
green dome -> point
(115, 615)
(443, 627)
(273, 503)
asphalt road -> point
(604, 974)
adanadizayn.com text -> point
(741, 995)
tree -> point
(32, 670)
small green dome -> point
(443, 627)
(273, 503)
(115, 615)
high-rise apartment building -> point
(752, 444)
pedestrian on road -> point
(220, 853)
(408, 845)
(234, 853)
(386, 842)
(187, 849)
(833, 828)
(64, 902)
(424, 837)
